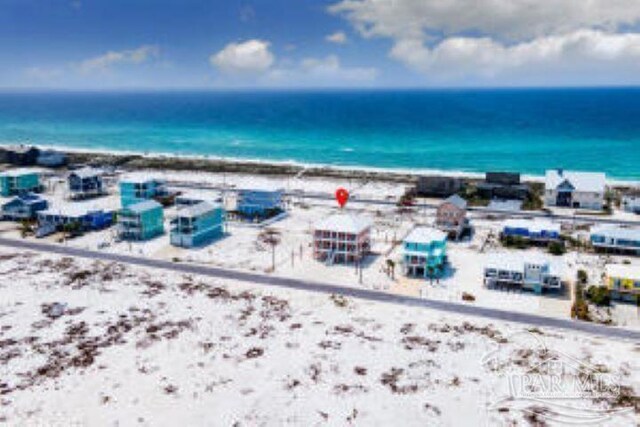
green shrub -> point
(515, 242)
(557, 248)
(599, 295)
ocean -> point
(524, 130)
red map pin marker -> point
(342, 196)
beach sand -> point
(90, 343)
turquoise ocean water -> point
(525, 130)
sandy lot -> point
(86, 343)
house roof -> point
(632, 193)
(144, 206)
(505, 261)
(86, 172)
(75, 210)
(344, 223)
(617, 232)
(21, 148)
(516, 261)
(623, 271)
(533, 225)
(425, 235)
(262, 188)
(457, 201)
(594, 182)
(197, 210)
(201, 195)
(139, 178)
(505, 205)
(18, 172)
(27, 199)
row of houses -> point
(198, 220)
(26, 155)
(83, 183)
(603, 238)
(141, 216)
(340, 238)
(344, 238)
(578, 190)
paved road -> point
(365, 294)
(380, 202)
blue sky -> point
(103, 44)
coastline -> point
(135, 160)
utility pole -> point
(273, 257)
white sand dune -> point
(85, 343)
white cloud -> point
(563, 40)
(569, 54)
(112, 58)
(327, 71)
(43, 74)
(339, 37)
(252, 63)
(249, 57)
(502, 19)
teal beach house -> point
(19, 181)
(140, 187)
(424, 252)
(197, 225)
(141, 221)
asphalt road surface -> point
(530, 320)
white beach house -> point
(579, 190)
(342, 238)
(631, 201)
(533, 272)
(614, 238)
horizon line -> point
(132, 89)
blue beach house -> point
(260, 202)
(141, 221)
(84, 183)
(136, 188)
(424, 252)
(19, 181)
(197, 225)
(25, 206)
(537, 230)
(86, 217)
